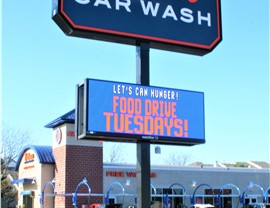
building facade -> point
(71, 173)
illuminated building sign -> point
(122, 174)
(58, 135)
(71, 133)
(189, 26)
(28, 158)
(127, 112)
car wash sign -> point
(189, 26)
(126, 112)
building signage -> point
(71, 133)
(122, 174)
(58, 135)
(28, 158)
(127, 112)
(189, 26)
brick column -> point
(76, 160)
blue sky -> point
(41, 67)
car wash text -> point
(149, 8)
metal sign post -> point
(143, 148)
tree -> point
(178, 159)
(8, 191)
(113, 152)
(241, 165)
(13, 141)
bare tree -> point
(13, 140)
(113, 152)
(178, 159)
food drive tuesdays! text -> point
(145, 111)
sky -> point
(41, 67)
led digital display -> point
(121, 111)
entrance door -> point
(27, 201)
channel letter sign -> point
(188, 26)
(127, 112)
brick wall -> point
(60, 172)
(73, 164)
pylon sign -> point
(116, 111)
(188, 26)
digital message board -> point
(116, 111)
(188, 26)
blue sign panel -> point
(121, 111)
(190, 26)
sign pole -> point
(143, 148)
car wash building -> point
(71, 173)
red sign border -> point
(150, 38)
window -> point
(209, 196)
(268, 196)
(225, 199)
(175, 198)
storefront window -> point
(175, 197)
(268, 196)
(158, 200)
(27, 201)
(226, 201)
(209, 198)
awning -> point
(26, 193)
(23, 180)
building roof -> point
(262, 164)
(66, 118)
(11, 163)
(44, 154)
